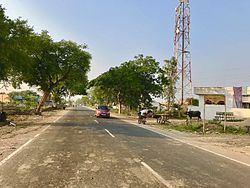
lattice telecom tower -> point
(182, 51)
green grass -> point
(191, 127)
(235, 130)
(210, 127)
(214, 121)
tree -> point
(58, 93)
(131, 84)
(83, 101)
(14, 43)
(55, 64)
(106, 88)
(169, 79)
(4, 34)
(143, 81)
(39, 61)
(192, 101)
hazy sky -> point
(117, 30)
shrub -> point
(191, 127)
(235, 130)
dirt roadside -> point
(27, 126)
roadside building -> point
(230, 99)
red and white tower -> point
(182, 51)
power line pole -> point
(182, 51)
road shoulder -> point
(11, 138)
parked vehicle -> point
(102, 111)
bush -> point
(191, 127)
(235, 130)
(26, 99)
(178, 111)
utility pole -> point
(182, 51)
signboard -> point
(214, 99)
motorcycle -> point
(142, 120)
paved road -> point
(83, 151)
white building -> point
(237, 100)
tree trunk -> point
(119, 103)
(169, 103)
(42, 101)
(119, 108)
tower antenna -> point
(182, 51)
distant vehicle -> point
(102, 111)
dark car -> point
(102, 111)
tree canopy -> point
(14, 43)
(35, 59)
(132, 84)
(57, 64)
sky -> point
(117, 30)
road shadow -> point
(121, 127)
(116, 125)
(77, 109)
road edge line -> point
(22, 146)
(201, 148)
(190, 144)
(26, 143)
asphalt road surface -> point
(80, 150)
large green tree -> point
(132, 84)
(4, 34)
(56, 64)
(143, 81)
(39, 61)
(15, 38)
